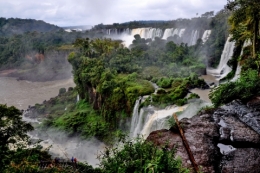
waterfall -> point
(170, 32)
(150, 119)
(159, 119)
(238, 70)
(194, 37)
(150, 33)
(223, 69)
(167, 33)
(77, 97)
(181, 32)
(135, 116)
(205, 35)
(147, 32)
(237, 74)
(127, 31)
(139, 31)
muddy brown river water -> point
(23, 93)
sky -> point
(93, 12)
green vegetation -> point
(65, 113)
(13, 26)
(21, 49)
(14, 151)
(110, 77)
(246, 87)
(244, 26)
(138, 156)
(175, 92)
(219, 33)
(245, 22)
(141, 156)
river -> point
(23, 93)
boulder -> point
(227, 140)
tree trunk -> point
(186, 145)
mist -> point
(64, 146)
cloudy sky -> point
(92, 12)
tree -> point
(245, 21)
(208, 14)
(140, 156)
(13, 130)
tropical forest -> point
(146, 96)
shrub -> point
(141, 156)
(244, 88)
(62, 91)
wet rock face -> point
(249, 116)
(200, 133)
(241, 160)
(226, 141)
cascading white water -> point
(127, 31)
(147, 32)
(150, 33)
(237, 74)
(159, 119)
(238, 70)
(194, 37)
(77, 97)
(135, 116)
(205, 35)
(181, 32)
(167, 33)
(223, 69)
(170, 32)
(150, 119)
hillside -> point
(19, 26)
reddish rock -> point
(221, 141)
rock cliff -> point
(52, 65)
(226, 140)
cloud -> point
(88, 12)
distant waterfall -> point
(147, 32)
(187, 36)
(77, 97)
(223, 69)
(206, 35)
(181, 32)
(194, 37)
(167, 33)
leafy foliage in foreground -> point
(140, 157)
(246, 87)
(14, 151)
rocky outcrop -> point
(52, 65)
(226, 141)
